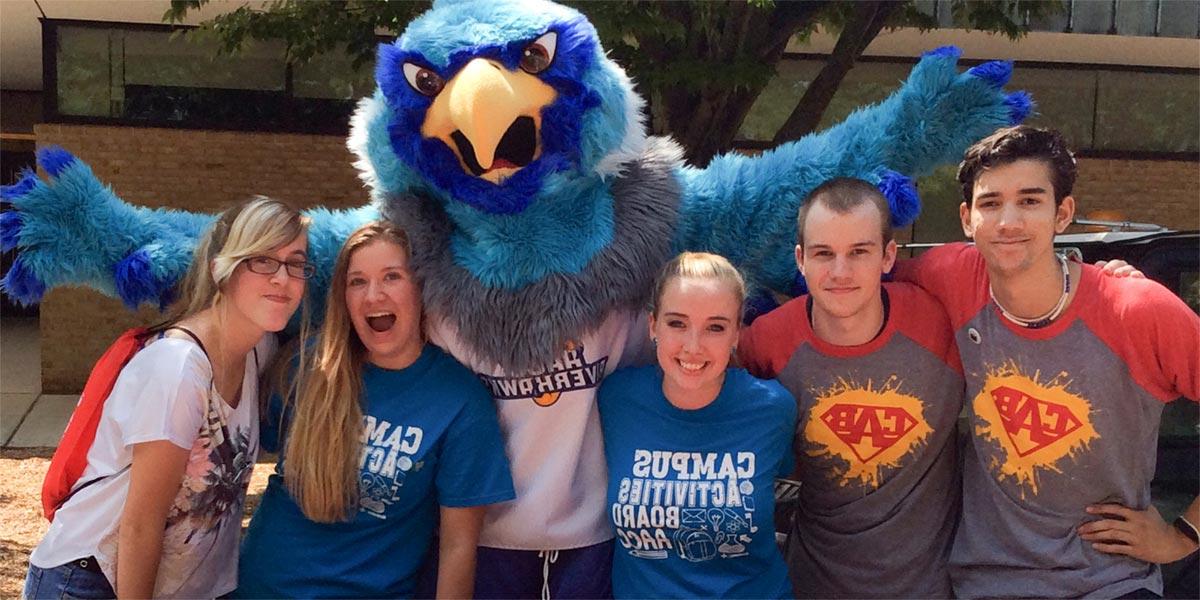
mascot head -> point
(485, 99)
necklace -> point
(1048, 318)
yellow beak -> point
(481, 102)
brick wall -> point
(1148, 191)
(193, 170)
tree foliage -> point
(700, 63)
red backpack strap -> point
(70, 458)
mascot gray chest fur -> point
(547, 314)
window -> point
(1147, 111)
(1099, 109)
(151, 75)
(1162, 18)
(333, 77)
(84, 67)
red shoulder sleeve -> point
(1153, 331)
(954, 274)
(923, 319)
(768, 343)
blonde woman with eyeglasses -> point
(157, 511)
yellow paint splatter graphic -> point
(869, 429)
(1036, 424)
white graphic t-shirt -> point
(166, 393)
(552, 436)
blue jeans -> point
(72, 580)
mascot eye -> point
(537, 56)
(423, 80)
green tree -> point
(700, 63)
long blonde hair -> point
(324, 444)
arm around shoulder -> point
(952, 274)
(1165, 338)
(1179, 335)
(765, 347)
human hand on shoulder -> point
(1141, 534)
(1119, 268)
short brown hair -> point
(842, 195)
(1022, 142)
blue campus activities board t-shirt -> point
(691, 492)
(430, 438)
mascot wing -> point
(928, 122)
(73, 230)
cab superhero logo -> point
(1032, 424)
(1036, 424)
(868, 428)
(569, 373)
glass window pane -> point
(156, 58)
(1066, 100)
(866, 83)
(1137, 17)
(84, 66)
(1091, 16)
(1131, 109)
(182, 78)
(1179, 19)
(927, 7)
(155, 76)
(333, 76)
(940, 196)
(1056, 22)
(777, 100)
(946, 15)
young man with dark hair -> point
(1067, 372)
(876, 375)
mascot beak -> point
(490, 117)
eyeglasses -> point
(265, 265)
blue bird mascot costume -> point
(515, 154)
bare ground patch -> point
(22, 525)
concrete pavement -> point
(28, 418)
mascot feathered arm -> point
(73, 230)
(745, 207)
